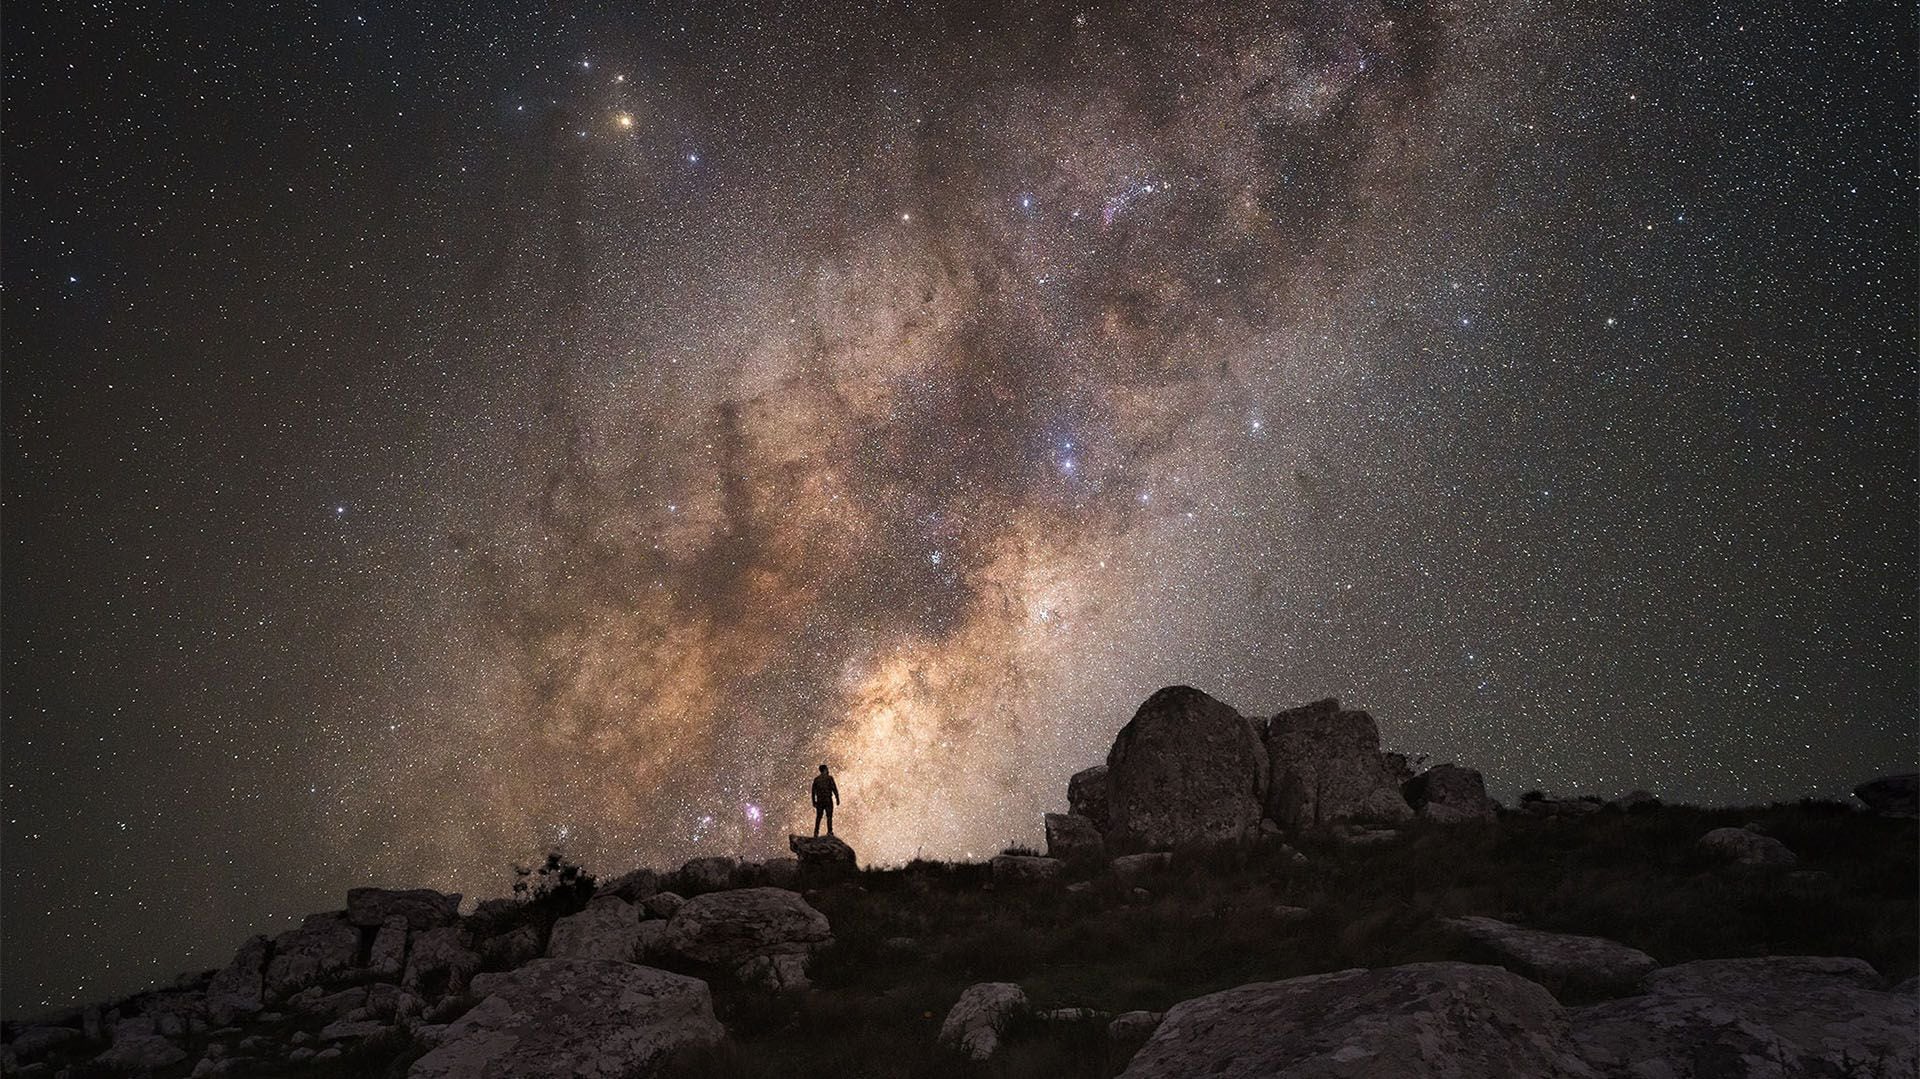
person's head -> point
(823, 769)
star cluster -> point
(435, 435)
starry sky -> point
(438, 432)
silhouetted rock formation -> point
(822, 858)
(1448, 794)
(1892, 796)
(1325, 765)
(1186, 769)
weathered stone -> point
(1132, 866)
(1185, 769)
(512, 948)
(324, 944)
(1069, 1015)
(822, 858)
(1742, 847)
(33, 1043)
(1780, 1016)
(662, 904)
(653, 934)
(238, 989)
(1562, 962)
(387, 958)
(1087, 795)
(1892, 796)
(1438, 1020)
(707, 874)
(1073, 838)
(137, 1046)
(423, 908)
(561, 1018)
(1023, 870)
(440, 961)
(781, 873)
(728, 928)
(1128, 1032)
(607, 929)
(977, 1021)
(1449, 794)
(338, 1004)
(775, 973)
(346, 1030)
(1325, 765)
(383, 1001)
(634, 886)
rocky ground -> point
(1229, 897)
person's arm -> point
(836, 791)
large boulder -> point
(726, 929)
(1325, 765)
(978, 1020)
(1892, 796)
(560, 1018)
(1026, 870)
(1563, 962)
(634, 886)
(1073, 838)
(1185, 769)
(1449, 794)
(1438, 1020)
(710, 874)
(139, 1047)
(324, 944)
(608, 929)
(239, 988)
(423, 908)
(1779, 1016)
(1740, 846)
(440, 961)
(822, 857)
(387, 956)
(1087, 795)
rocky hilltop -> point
(1224, 896)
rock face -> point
(1087, 795)
(423, 908)
(1561, 961)
(727, 929)
(607, 929)
(1073, 838)
(707, 874)
(634, 886)
(573, 1017)
(1741, 847)
(1128, 1032)
(239, 988)
(1892, 796)
(1780, 1016)
(440, 961)
(387, 957)
(976, 1022)
(324, 944)
(1448, 794)
(1185, 769)
(1022, 870)
(822, 858)
(137, 1047)
(1440, 1020)
(1326, 765)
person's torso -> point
(822, 787)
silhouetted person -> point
(825, 793)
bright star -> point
(625, 120)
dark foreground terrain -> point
(907, 942)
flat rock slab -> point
(977, 1021)
(561, 1018)
(728, 928)
(1438, 1020)
(1769, 1018)
(1561, 961)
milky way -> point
(620, 414)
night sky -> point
(433, 435)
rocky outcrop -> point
(1325, 765)
(1449, 794)
(730, 929)
(1073, 838)
(324, 944)
(1127, 1032)
(711, 874)
(1025, 870)
(1185, 769)
(822, 858)
(423, 908)
(1133, 866)
(1739, 846)
(1087, 795)
(1780, 1016)
(139, 1047)
(387, 955)
(239, 988)
(1563, 962)
(1440, 1020)
(977, 1021)
(557, 1018)
(607, 929)
(1892, 796)
(662, 904)
(632, 887)
(440, 961)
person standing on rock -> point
(825, 793)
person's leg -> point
(829, 818)
(817, 811)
